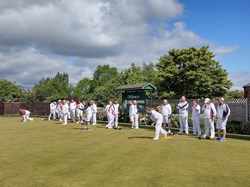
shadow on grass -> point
(139, 137)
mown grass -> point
(45, 153)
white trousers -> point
(65, 118)
(183, 123)
(110, 121)
(134, 119)
(52, 112)
(209, 127)
(27, 117)
(93, 120)
(73, 114)
(196, 126)
(159, 129)
(116, 120)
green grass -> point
(45, 153)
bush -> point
(234, 127)
(246, 128)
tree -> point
(105, 80)
(82, 89)
(10, 92)
(234, 94)
(53, 88)
(192, 72)
(136, 74)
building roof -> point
(247, 85)
(141, 86)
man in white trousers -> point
(183, 115)
(166, 112)
(59, 109)
(72, 108)
(157, 119)
(116, 112)
(223, 112)
(196, 110)
(133, 115)
(94, 111)
(52, 107)
(110, 109)
(26, 115)
(65, 112)
(209, 117)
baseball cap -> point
(206, 100)
(221, 99)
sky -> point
(40, 38)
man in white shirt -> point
(52, 107)
(59, 110)
(94, 111)
(110, 109)
(196, 109)
(72, 107)
(157, 119)
(223, 112)
(183, 115)
(116, 112)
(166, 112)
(65, 111)
(133, 115)
(209, 117)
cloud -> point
(28, 66)
(239, 79)
(221, 50)
(38, 37)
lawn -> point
(45, 153)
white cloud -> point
(239, 79)
(221, 50)
(38, 36)
(28, 66)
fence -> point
(35, 108)
(239, 108)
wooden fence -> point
(239, 108)
(35, 108)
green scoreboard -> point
(139, 96)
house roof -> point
(141, 86)
(247, 85)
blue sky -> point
(227, 23)
(40, 38)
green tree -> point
(234, 94)
(192, 72)
(105, 80)
(136, 74)
(53, 88)
(83, 88)
(10, 92)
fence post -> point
(247, 110)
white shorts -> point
(166, 119)
(131, 118)
(79, 113)
(221, 124)
(88, 117)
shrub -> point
(234, 127)
(246, 128)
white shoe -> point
(155, 138)
(165, 135)
(31, 119)
(136, 127)
(64, 124)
